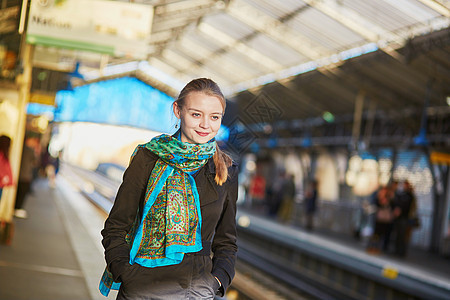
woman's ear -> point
(176, 110)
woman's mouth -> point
(202, 133)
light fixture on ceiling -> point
(328, 117)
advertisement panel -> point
(115, 28)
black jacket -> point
(218, 209)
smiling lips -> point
(202, 133)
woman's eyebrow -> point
(197, 110)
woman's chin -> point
(201, 139)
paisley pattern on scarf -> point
(171, 222)
(178, 227)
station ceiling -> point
(308, 56)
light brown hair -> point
(205, 85)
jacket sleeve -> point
(123, 213)
(224, 244)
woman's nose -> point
(204, 123)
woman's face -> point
(201, 116)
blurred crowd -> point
(277, 198)
(395, 210)
(392, 208)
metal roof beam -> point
(189, 47)
(183, 6)
(268, 63)
(352, 20)
(386, 40)
(302, 98)
(187, 65)
(190, 72)
(221, 75)
(165, 67)
(193, 46)
(437, 6)
(181, 61)
(275, 29)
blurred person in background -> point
(311, 204)
(44, 160)
(6, 178)
(392, 195)
(275, 193)
(26, 176)
(57, 162)
(52, 169)
(405, 206)
(152, 254)
(48, 166)
(383, 220)
(287, 203)
(257, 190)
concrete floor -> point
(54, 254)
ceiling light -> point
(328, 117)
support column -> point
(445, 246)
(370, 123)
(24, 83)
(357, 118)
(439, 203)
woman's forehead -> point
(203, 102)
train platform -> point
(56, 252)
(421, 271)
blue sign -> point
(122, 101)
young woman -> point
(171, 233)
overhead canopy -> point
(310, 58)
(420, 73)
(246, 43)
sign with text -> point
(115, 28)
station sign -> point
(116, 28)
(440, 158)
(42, 98)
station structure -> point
(352, 93)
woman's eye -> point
(196, 115)
(215, 118)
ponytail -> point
(222, 161)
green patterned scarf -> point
(171, 218)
